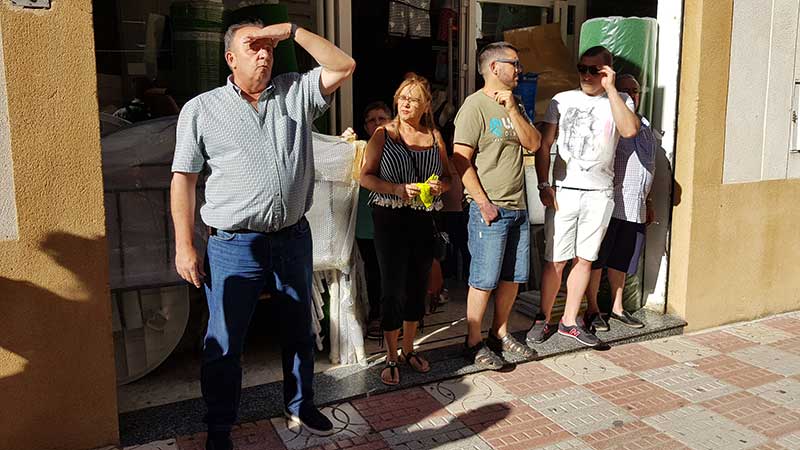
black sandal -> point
(407, 357)
(393, 370)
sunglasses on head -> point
(591, 70)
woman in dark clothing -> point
(399, 159)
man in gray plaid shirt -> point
(253, 138)
(624, 240)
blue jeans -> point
(240, 266)
(500, 251)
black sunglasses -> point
(514, 62)
(591, 70)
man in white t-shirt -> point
(588, 123)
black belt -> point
(213, 231)
(583, 190)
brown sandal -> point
(394, 371)
(407, 357)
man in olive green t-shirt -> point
(491, 130)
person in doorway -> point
(455, 224)
(400, 157)
(622, 246)
(376, 114)
(254, 137)
(491, 131)
(588, 122)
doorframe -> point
(655, 275)
(337, 27)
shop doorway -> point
(140, 79)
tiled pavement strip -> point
(735, 387)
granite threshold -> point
(345, 383)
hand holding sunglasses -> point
(609, 78)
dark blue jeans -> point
(240, 266)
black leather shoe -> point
(313, 421)
(627, 319)
(219, 441)
(595, 321)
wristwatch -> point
(542, 185)
(294, 30)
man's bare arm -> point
(182, 204)
(542, 158)
(337, 65)
(626, 120)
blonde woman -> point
(404, 152)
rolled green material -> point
(633, 42)
(285, 58)
(197, 47)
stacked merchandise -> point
(411, 18)
(198, 31)
(197, 41)
(542, 52)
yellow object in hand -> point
(425, 191)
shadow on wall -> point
(41, 400)
(666, 195)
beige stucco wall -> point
(57, 383)
(734, 246)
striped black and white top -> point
(401, 165)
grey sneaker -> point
(595, 321)
(627, 319)
(539, 332)
(579, 334)
(510, 346)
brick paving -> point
(736, 387)
(721, 341)
(736, 372)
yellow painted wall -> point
(57, 382)
(734, 246)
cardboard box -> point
(542, 51)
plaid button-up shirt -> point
(634, 165)
(260, 162)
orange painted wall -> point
(57, 381)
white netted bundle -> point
(333, 214)
(333, 221)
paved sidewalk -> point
(735, 387)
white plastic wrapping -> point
(333, 214)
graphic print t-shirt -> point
(484, 125)
(587, 139)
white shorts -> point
(578, 227)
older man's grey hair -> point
(237, 26)
(490, 53)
